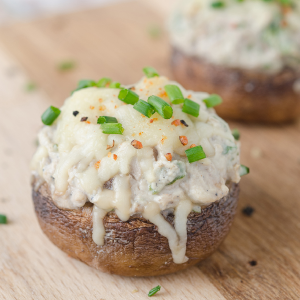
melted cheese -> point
(80, 163)
(251, 34)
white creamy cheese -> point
(80, 163)
(250, 34)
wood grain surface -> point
(115, 41)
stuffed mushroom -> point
(246, 51)
(139, 180)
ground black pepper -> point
(248, 211)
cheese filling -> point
(250, 34)
(80, 163)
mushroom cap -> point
(134, 247)
(250, 96)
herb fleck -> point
(75, 113)
(253, 263)
(154, 291)
(248, 211)
(184, 123)
(66, 65)
(30, 86)
(83, 119)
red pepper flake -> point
(141, 90)
(115, 156)
(162, 94)
(141, 133)
(100, 100)
(137, 144)
(83, 119)
(168, 156)
(183, 139)
(176, 122)
(163, 139)
(155, 119)
(132, 88)
(189, 96)
(151, 120)
(116, 106)
(193, 145)
(97, 164)
(109, 154)
(109, 147)
(92, 107)
(88, 122)
(102, 107)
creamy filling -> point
(81, 164)
(251, 34)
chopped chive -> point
(115, 85)
(190, 107)
(3, 219)
(103, 82)
(154, 31)
(30, 86)
(236, 134)
(218, 4)
(150, 72)
(66, 65)
(50, 115)
(144, 108)
(105, 119)
(83, 84)
(154, 291)
(213, 100)
(128, 96)
(244, 170)
(112, 128)
(195, 154)
(174, 93)
(161, 106)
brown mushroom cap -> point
(247, 95)
(134, 247)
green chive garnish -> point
(144, 108)
(174, 93)
(112, 128)
(3, 219)
(105, 119)
(218, 4)
(150, 72)
(30, 86)
(236, 134)
(195, 154)
(161, 106)
(115, 85)
(103, 82)
(83, 84)
(244, 170)
(213, 100)
(66, 65)
(154, 291)
(50, 115)
(190, 107)
(128, 96)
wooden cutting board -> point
(115, 41)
